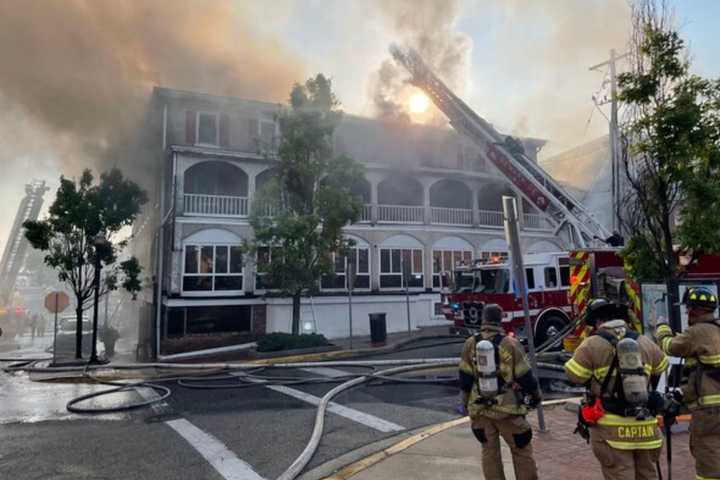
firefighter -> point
(498, 387)
(621, 370)
(700, 347)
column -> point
(373, 202)
(475, 207)
(180, 165)
(426, 201)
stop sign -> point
(56, 302)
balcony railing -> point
(366, 213)
(451, 216)
(490, 218)
(215, 205)
(400, 214)
(535, 221)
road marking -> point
(327, 372)
(227, 464)
(214, 451)
(349, 413)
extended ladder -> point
(16, 247)
(507, 154)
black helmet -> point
(699, 297)
(602, 309)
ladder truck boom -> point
(507, 154)
(16, 247)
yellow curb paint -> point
(367, 462)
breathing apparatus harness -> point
(629, 396)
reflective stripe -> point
(691, 362)
(662, 366)
(663, 329)
(600, 372)
(647, 368)
(650, 445)
(666, 344)
(710, 359)
(700, 477)
(578, 370)
(465, 367)
(612, 420)
(709, 400)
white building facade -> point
(429, 201)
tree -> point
(672, 155)
(301, 213)
(81, 213)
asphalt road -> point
(250, 433)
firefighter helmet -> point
(602, 309)
(699, 297)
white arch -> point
(402, 241)
(495, 245)
(543, 246)
(359, 242)
(452, 243)
(212, 235)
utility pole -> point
(614, 136)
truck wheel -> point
(550, 327)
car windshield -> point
(463, 281)
(491, 280)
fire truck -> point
(560, 285)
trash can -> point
(378, 328)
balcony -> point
(215, 205)
(400, 214)
(536, 222)
(451, 216)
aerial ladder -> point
(507, 154)
(16, 248)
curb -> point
(363, 464)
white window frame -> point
(446, 268)
(357, 271)
(412, 272)
(259, 274)
(212, 292)
(217, 129)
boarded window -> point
(190, 117)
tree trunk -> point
(296, 313)
(78, 330)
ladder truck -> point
(16, 248)
(567, 215)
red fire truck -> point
(560, 285)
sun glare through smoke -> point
(419, 103)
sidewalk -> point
(455, 454)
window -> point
(359, 257)
(392, 263)
(492, 280)
(500, 256)
(551, 277)
(530, 278)
(267, 134)
(263, 259)
(446, 261)
(564, 272)
(209, 268)
(207, 129)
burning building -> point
(429, 197)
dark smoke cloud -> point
(428, 26)
(83, 69)
(75, 77)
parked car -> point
(66, 335)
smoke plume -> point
(76, 76)
(429, 27)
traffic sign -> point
(57, 302)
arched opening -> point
(216, 178)
(264, 177)
(490, 196)
(449, 253)
(401, 263)
(400, 200)
(216, 188)
(451, 203)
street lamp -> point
(101, 244)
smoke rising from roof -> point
(429, 27)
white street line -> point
(227, 464)
(214, 451)
(349, 413)
(327, 372)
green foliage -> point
(274, 342)
(673, 166)
(82, 211)
(302, 212)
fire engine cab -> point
(491, 281)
